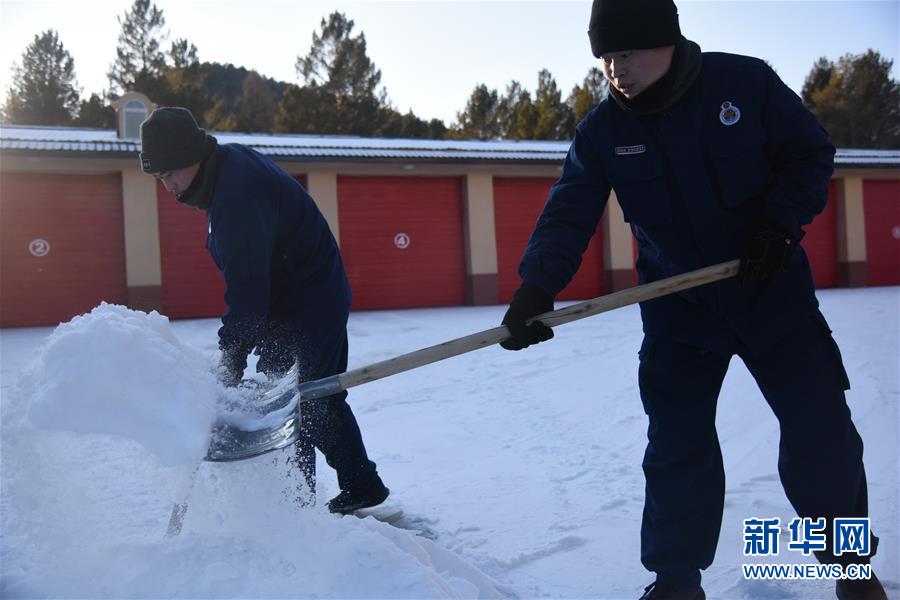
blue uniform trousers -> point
(820, 452)
(326, 423)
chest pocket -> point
(740, 168)
(639, 184)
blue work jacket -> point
(693, 181)
(280, 261)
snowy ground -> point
(525, 465)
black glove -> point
(767, 253)
(276, 349)
(275, 359)
(232, 365)
(527, 302)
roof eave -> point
(293, 158)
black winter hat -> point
(172, 140)
(618, 25)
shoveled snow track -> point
(395, 516)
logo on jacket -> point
(628, 150)
(730, 114)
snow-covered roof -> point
(867, 158)
(291, 147)
(64, 140)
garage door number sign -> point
(39, 247)
(401, 240)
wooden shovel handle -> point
(641, 293)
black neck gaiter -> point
(686, 62)
(199, 193)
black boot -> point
(353, 499)
(661, 591)
(860, 589)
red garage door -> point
(820, 243)
(192, 286)
(402, 240)
(62, 244)
(517, 204)
(882, 215)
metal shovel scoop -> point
(230, 443)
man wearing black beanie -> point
(286, 291)
(711, 158)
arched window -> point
(134, 114)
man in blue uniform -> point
(287, 295)
(712, 158)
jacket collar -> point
(199, 194)
(687, 61)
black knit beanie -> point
(172, 140)
(618, 25)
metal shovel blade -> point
(230, 443)
(278, 409)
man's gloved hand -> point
(231, 367)
(274, 363)
(768, 252)
(278, 350)
(527, 302)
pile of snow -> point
(101, 432)
(123, 372)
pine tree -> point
(555, 120)
(255, 111)
(516, 113)
(43, 90)
(398, 125)
(183, 54)
(437, 129)
(181, 81)
(479, 120)
(96, 112)
(817, 80)
(856, 100)
(223, 85)
(173, 78)
(340, 91)
(585, 97)
(516, 116)
(340, 80)
(408, 125)
(338, 63)
(140, 60)
(306, 109)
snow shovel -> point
(278, 407)
(280, 427)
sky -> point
(433, 54)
